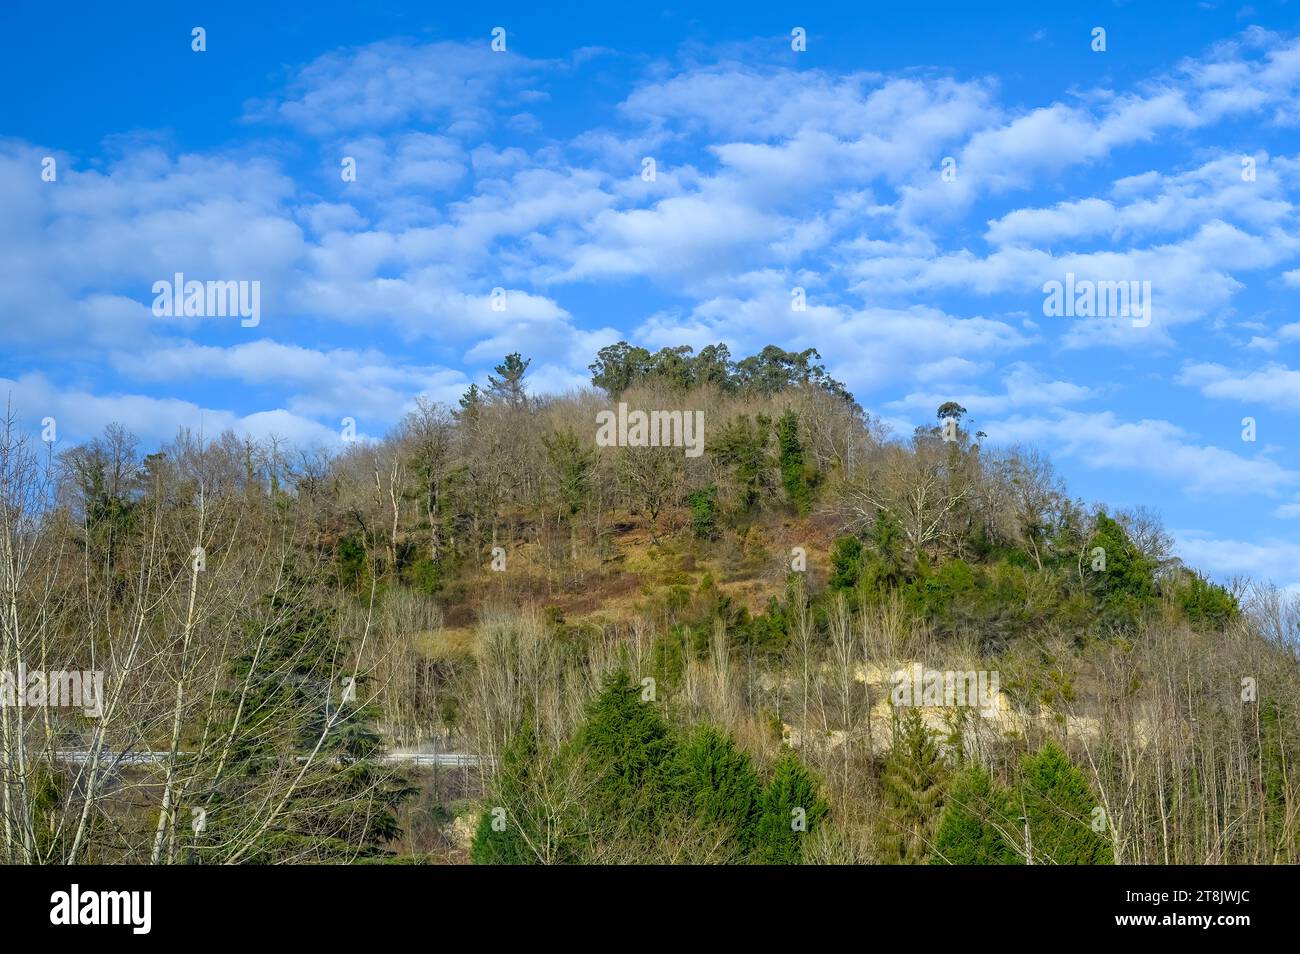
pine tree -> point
(913, 787)
(977, 817)
(509, 386)
(279, 713)
(470, 404)
(625, 743)
(1059, 804)
(712, 778)
(789, 809)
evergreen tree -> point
(713, 366)
(789, 809)
(280, 712)
(1058, 804)
(913, 787)
(625, 743)
(508, 383)
(793, 477)
(500, 838)
(470, 404)
(1126, 586)
(846, 563)
(572, 462)
(712, 778)
(741, 447)
(976, 817)
(617, 367)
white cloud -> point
(1268, 560)
(80, 415)
(1156, 448)
(1275, 385)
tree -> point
(617, 367)
(713, 779)
(508, 383)
(1125, 584)
(713, 366)
(339, 804)
(913, 783)
(774, 369)
(789, 809)
(1059, 806)
(950, 409)
(674, 367)
(536, 812)
(1203, 602)
(572, 462)
(846, 563)
(793, 476)
(652, 478)
(470, 403)
(977, 824)
(741, 446)
(625, 742)
(703, 504)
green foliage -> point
(774, 369)
(618, 366)
(1203, 602)
(423, 575)
(507, 385)
(280, 711)
(792, 788)
(791, 459)
(1059, 803)
(950, 409)
(621, 366)
(353, 563)
(846, 563)
(1126, 588)
(912, 783)
(976, 817)
(501, 837)
(741, 446)
(713, 779)
(645, 790)
(625, 742)
(703, 504)
(471, 402)
(572, 461)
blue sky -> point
(819, 169)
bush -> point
(703, 504)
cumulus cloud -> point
(1156, 448)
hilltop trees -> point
(350, 598)
(619, 367)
